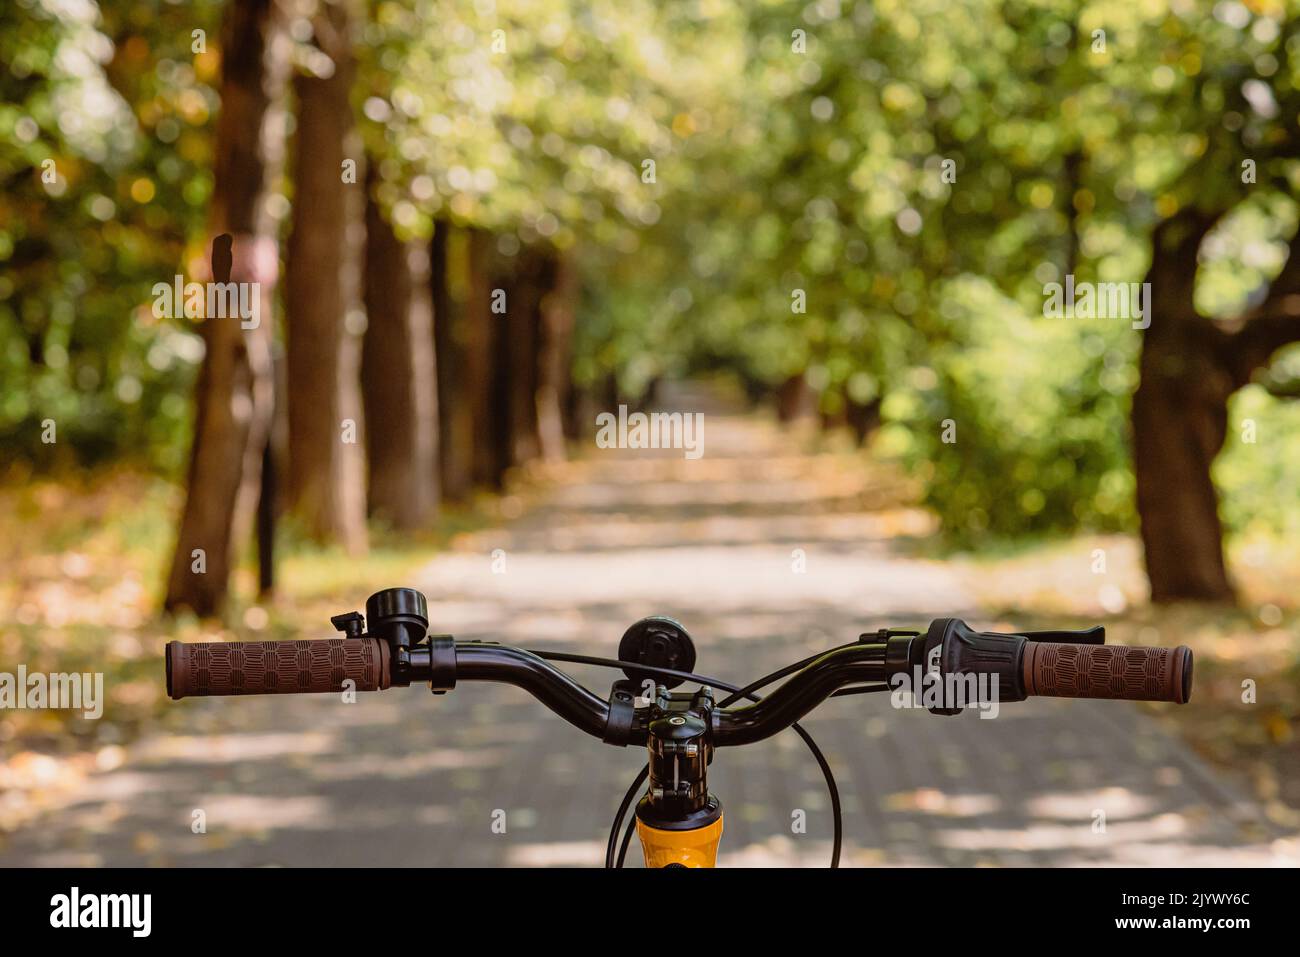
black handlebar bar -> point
(800, 694)
(477, 661)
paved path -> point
(407, 779)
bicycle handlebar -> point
(943, 667)
(1056, 669)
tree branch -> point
(1274, 323)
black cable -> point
(837, 818)
(628, 798)
(615, 663)
(627, 840)
(737, 693)
(859, 689)
(837, 812)
(612, 843)
(778, 674)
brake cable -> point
(830, 782)
(736, 694)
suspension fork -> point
(678, 820)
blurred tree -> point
(448, 255)
(530, 127)
(1235, 114)
(234, 394)
(326, 475)
(521, 303)
(398, 377)
(487, 360)
(557, 316)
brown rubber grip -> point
(275, 667)
(1108, 671)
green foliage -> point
(909, 172)
(927, 167)
(1258, 468)
(104, 158)
(1017, 424)
(536, 118)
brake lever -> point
(1096, 635)
(884, 634)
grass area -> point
(1245, 707)
(82, 571)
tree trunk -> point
(1179, 424)
(235, 390)
(794, 399)
(611, 394)
(455, 413)
(1190, 367)
(533, 272)
(831, 410)
(326, 480)
(266, 526)
(863, 418)
(398, 378)
(269, 503)
(485, 360)
(554, 381)
(578, 408)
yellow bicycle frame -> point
(694, 848)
